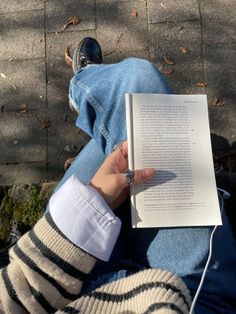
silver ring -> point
(129, 174)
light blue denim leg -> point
(99, 94)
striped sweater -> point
(46, 273)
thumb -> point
(143, 175)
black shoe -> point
(89, 52)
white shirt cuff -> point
(84, 218)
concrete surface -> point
(34, 74)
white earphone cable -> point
(225, 195)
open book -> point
(171, 133)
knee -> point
(138, 64)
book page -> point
(171, 133)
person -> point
(139, 271)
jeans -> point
(98, 92)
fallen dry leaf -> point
(201, 84)
(161, 66)
(67, 56)
(23, 108)
(180, 28)
(45, 124)
(73, 20)
(184, 50)
(134, 13)
(217, 102)
(168, 61)
(167, 71)
(68, 162)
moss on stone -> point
(25, 213)
(6, 217)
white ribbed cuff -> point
(84, 218)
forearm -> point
(46, 271)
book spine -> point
(131, 165)
(129, 125)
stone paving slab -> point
(22, 35)
(63, 133)
(38, 76)
(188, 67)
(119, 55)
(172, 10)
(220, 70)
(219, 20)
(58, 12)
(115, 19)
(24, 83)
(7, 6)
(23, 173)
(223, 120)
(65, 141)
(22, 137)
(58, 72)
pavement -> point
(192, 42)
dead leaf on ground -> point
(180, 28)
(166, 71)
(68, 162)
(134, 13)
(161, 66)
(67, 56)
(23, 108)
(184, 50)
(45, 124)
(73, 20)
(217, 102)
(201, 84)
(168, 61)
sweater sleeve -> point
(46, 271)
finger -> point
(143, 174)
(121, 148)
(124, 149)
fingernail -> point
(149, 172)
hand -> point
(109, 180)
